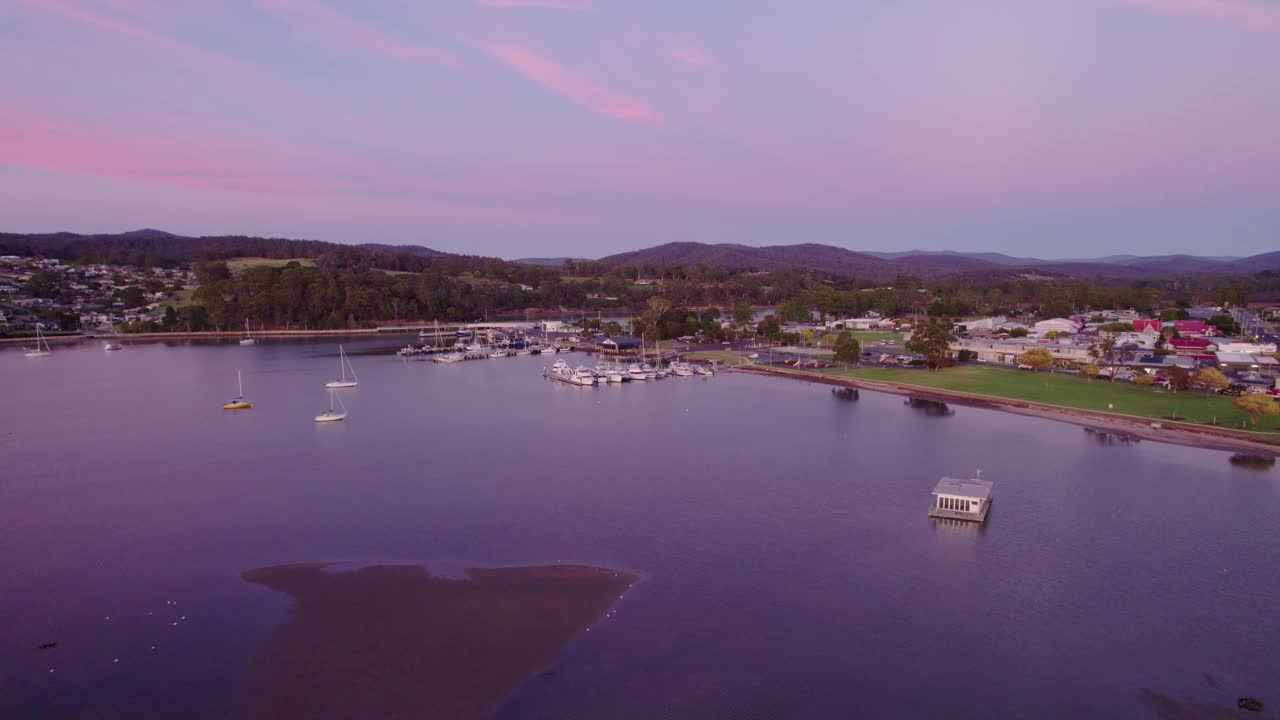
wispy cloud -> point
(315, 17)
(694, 56)
(1241, 13)
(47, 143)
(539, 4)
(576, 86)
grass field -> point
(1072, 392)
(727, 358)
(241, 264)
(869, 339)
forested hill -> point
(834, 260)
(841, 262)
(156, 248)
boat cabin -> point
(961, 499)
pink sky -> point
(576, 127)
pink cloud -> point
(238, 76)
(690, 55)
(542, 4)
(576, 86)
(317, 17)
(45, 143)
(1244, 14)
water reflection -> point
(1252, 462)
(931, 408)
(1112, 438)
(845, 393)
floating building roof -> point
(980, 489)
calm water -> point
(790, 568)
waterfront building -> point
(961, 499)
(1007, 351)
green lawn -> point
(870, 339)
(181, 298)
(727, 358)
(241, 264)
(1070, 391)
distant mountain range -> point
(882, 265)
(157, 247)
(149, 246)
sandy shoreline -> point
(1125, 425)
(393, 641)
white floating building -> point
(961, 499)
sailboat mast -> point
(240, 383)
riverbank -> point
(1167, 431)
(394, 641)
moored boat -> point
(333, 414)
(39, 351)
(344, 363)
(238, 402)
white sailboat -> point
(333, 414)
(344, 362)
(248, 338)
(39, 351)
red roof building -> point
(1195, 328)
(1190, 346)
(1142, 324)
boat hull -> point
(237, 406)
(341, 384)
(330, 417)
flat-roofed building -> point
(958, 499)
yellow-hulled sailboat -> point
(239, 403)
